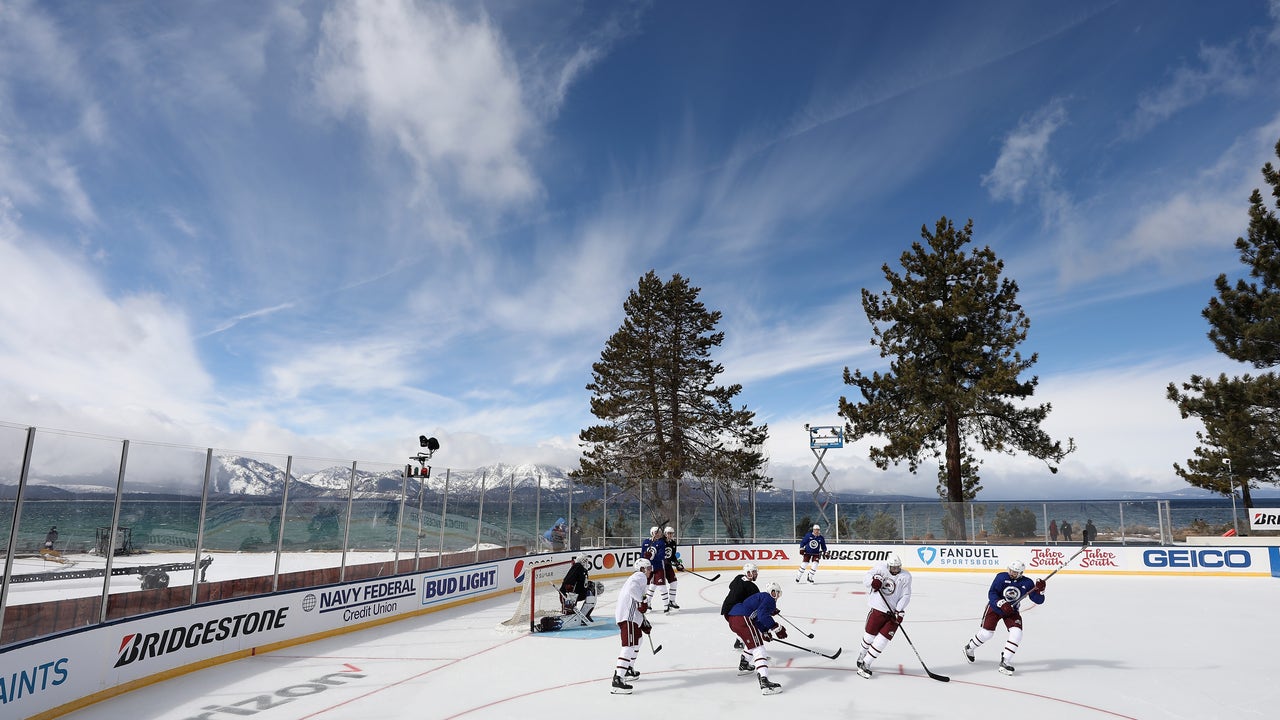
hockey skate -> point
(632, 674)
(673, 605)
(768, 687)
(737, 645)
(810, 577)
(864, 670)
(968, 651)
(620, 687)
(798, 578)
(1005, 668)
(744, 667)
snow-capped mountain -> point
(236, 475)
(523, 478)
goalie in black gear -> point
(577, 598)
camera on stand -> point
(423, 470)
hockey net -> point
(540, 595)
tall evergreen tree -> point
(664, 420)
(1241, 415)
(951, 326)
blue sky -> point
(324, 229)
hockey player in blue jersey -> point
(1006, 592)
(812, 545)
(752, 621)
(654, 549)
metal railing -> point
(163, 520)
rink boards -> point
(48, 678)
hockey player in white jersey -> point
(888, 595)
(629, 614)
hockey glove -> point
(1008, 610)
(782, 632)
(645, 627)
(1040, 586)
(766, 636)
(644, 608)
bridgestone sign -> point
(1264, 519)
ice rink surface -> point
(1100, 647)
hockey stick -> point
(713, 578)
(815, 652)
(930, 673)
(657, 649)
(1083, 547)
(802, 632)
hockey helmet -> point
(895, 563)
(774, 589)
(1016, 568)
(750, 569)
(642, 564)
(669, 531)
(654, 530)
(585, 561)
(817, 528)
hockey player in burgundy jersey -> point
(1006, 592)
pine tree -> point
(663, 418)
(951, 326)
(1241, 415)
(1238, 442)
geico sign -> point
(1197, 558)
(748, 554)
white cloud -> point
(439, 89)
(1128, 436)
(1024, 163)
(358, 364)
(34, 158)
(1221, 71)
(72, 356)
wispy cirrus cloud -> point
(1025, 164)
(1220, 71)
(436, 88)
